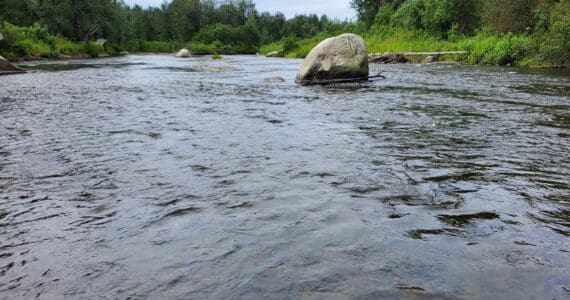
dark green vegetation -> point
(516, 32)
(48, 28)
(509, 32)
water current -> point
(152, 177)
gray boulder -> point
(183, 53)
(342, 58)
(8, 68)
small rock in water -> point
(183, 53)
(274, 79)
(431, 59)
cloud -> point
(333, 8)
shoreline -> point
(372, 59)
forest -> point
(509, 32)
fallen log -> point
(342, 80)
(432, 53)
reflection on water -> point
(149, 176)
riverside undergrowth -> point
(484, 47)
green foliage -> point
(161, 47)
(509, 16)
(198, 48)
(289, 44)
(555, 47)
(275, 46)
(93, 49)
(66, 47)
(216, 56)
(226, 39)
(520, 32)
(304, 47)
(409, 16)
(33, 41)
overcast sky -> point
(333, 8)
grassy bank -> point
(483, 47)
(35, 42)
(524, 50)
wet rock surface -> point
(168, 178)
(336, 58)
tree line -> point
(446, 17)
(522, 26)
(523, 32)
(233, 23)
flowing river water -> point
(151, 177)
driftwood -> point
(432, 53)
(404, 57)
(90, 33)
(342, 80)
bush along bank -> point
(35, 43)
(483, 48)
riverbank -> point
(484, 48)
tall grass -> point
(482, 48)
(36, 42)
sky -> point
(339, 9)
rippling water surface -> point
(156, 177)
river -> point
(152, 177)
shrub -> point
(67, 47)
(289, 44)
(198, 48)
(93, 49)
(161, 47)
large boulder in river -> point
(183, 53)
(338, 58)
(7, 68)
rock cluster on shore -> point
(7, 67)
(387, 58)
